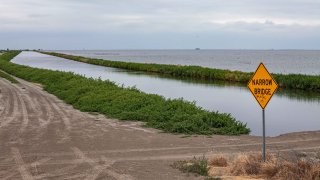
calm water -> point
(286, 112)
(277, 61)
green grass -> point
(91, 95)
(212, 178)
(8, 77)
(290, 81)
(198, 166)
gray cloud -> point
(292, 19)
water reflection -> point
(289, 93)
(288, 111)
(277, 61)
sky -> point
(159, 24)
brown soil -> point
(41, 137)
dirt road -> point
(43, 138)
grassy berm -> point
(285, 81)
(8, 77)
(91, 95)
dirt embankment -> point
(43, 138)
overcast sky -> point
(160, 24)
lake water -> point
(286, 112)
(277, 61)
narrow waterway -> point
(286, 112)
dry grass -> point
(252, 165)
(302, 169)
(249, 164)
(218, 161)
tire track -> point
(93, 162)
(97, 169)
(26, 102)
(31, 104)
(46, 116)
(58, 110)
(8, 118)
(16, 92)
(63, 116)
(51, 111)
(25, 117)
(10, 175)
(170, 148)
(42, 105)
(5, 173)
(24, 109)
(12, 112)
(7, 106)
(4, 103)
(6, 162)
(65, 171)
(21, 165)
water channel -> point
(286, 112)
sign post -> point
(263, 136)
(262, 87)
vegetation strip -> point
(8, 77)
(290, 81)
(91, 95)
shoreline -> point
(306, 83)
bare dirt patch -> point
(41, 137)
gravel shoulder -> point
(41, 137)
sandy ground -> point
(43, 138)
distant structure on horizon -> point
(197, 48)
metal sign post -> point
(264, 136)
(262, 87)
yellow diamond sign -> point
(262, 85)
